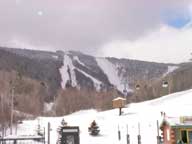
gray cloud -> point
(83, 25)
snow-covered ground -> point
(146, 113)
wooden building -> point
(177, 130)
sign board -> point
(70, 130)
(69, 135)
(119, 102)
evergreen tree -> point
(59, 130)
(94, 128)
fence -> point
(137, 138)
(23, 140)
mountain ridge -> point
(74, 69)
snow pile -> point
(143, 114)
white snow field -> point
(146, 113)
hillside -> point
(73, 69)
(57, 71)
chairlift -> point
(124, 91)
(165, 84)
(137, 87)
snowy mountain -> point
(145, 114)
(74, 69)
(105, 73)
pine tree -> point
(59, 130)
(94, 128)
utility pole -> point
(2, 111)
(12, 107)
(2, 105)
(54, 105)
(125, 90)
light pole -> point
(125, 91)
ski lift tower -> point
(125, 88)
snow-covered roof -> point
(178, 121)
(119, 98)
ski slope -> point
(68, 66)
(112, 73)
(145, 113)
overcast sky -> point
(122, 28)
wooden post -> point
(128, 138)
(120, 111)
(119, 133)
(48, 129)
(44, 135)
(139, 136)
(158, 137)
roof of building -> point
(119, 98)
(178, 122)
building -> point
(176, 130)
